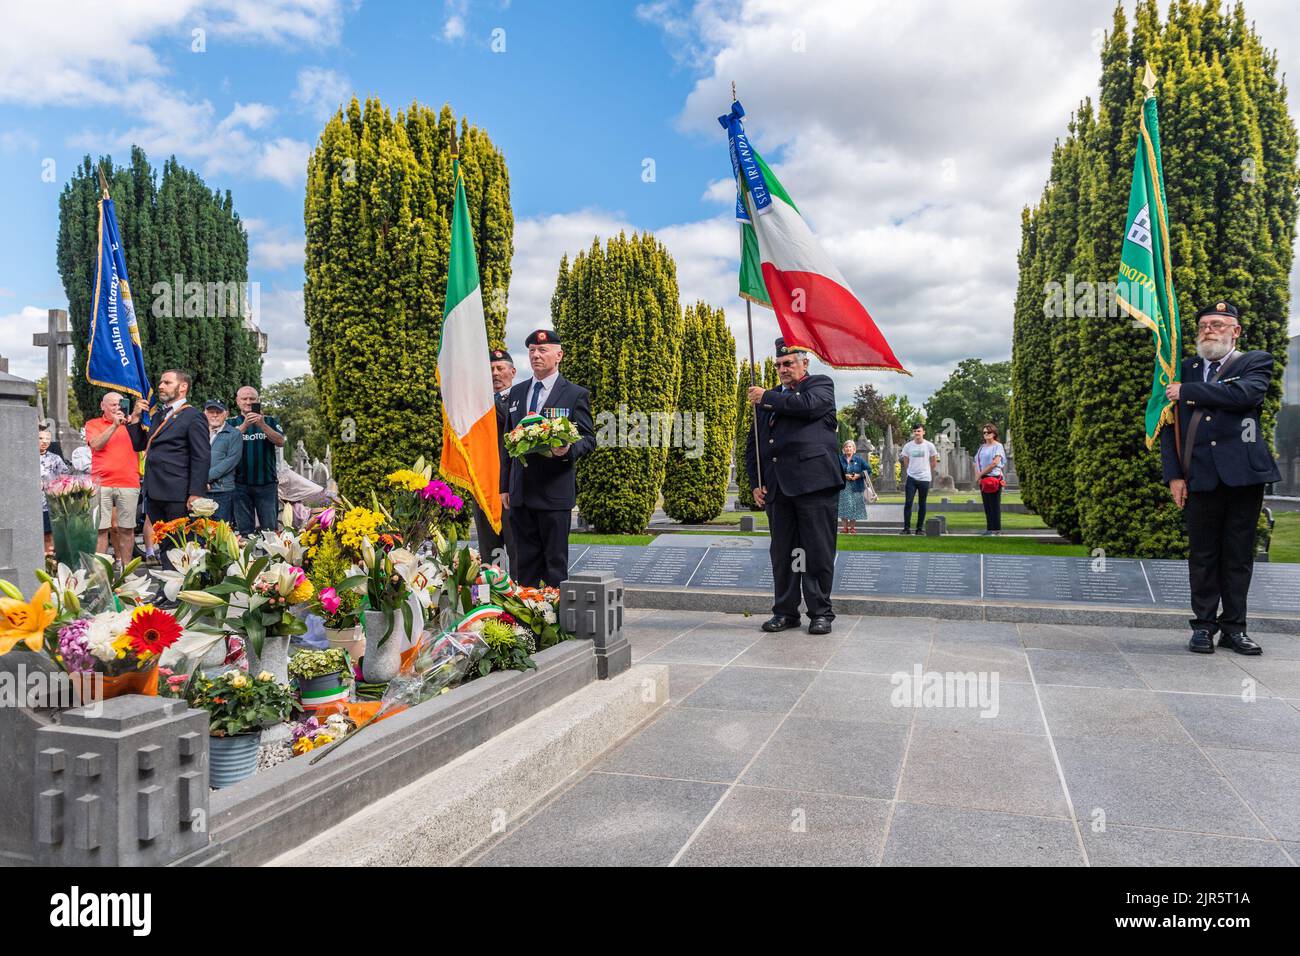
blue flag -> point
(115, 359)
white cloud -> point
(48, 58)
(281, 317)
(321, 91)
(453, 28)
(272, 248)
(25, 359)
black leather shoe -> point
(819, 625)
(1202, 642)
(1240, 643)
(779, 623)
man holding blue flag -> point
(115, 360)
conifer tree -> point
(695, 483)
(187, 258)
(617, 312)
(378, 209)
(1080, 372)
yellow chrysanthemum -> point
(301, 593)
(410, 480)
(302, 745)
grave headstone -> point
(22, 547)
(888, 456)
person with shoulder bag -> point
(989, 459)
(857, 491)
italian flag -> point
(470, 456)
(785, 268)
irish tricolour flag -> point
(470, 456)
(784, 267)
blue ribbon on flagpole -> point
(744, 164)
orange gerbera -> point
(25, 621)
(152, 631)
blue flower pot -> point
(232, 759)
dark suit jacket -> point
(176, 466)
(548, 483)
(1230, 446)
(798, 434)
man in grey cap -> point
(227, 449)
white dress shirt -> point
(548, 383)
(1205, 373)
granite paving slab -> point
(767, 690)
(691, 743)
(1269, 783)
(1138, 846)
(921, 835)
(1081, 668)
(846, 757)
(1013, 773)
(757, 827)
(1236, 724)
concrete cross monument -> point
(943, 477)
(888, 455)
(56, 342)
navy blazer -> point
(179, 457)
(1230, 446)
(800, 439)
(548, 484)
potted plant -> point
(320, 676)
(238, 707)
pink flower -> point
(299, 575)
(329, 600)
(326, 517)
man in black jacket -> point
(799, 487)
(496, 546)
(1220, 478)
(541, 496)
(177, 452)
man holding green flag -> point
(1146, 274)
(1215, 459)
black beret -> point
(500, 355)
(782, 349)
(1219, 308)
(543, 337)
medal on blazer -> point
(555, 412)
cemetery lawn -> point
(948, 544)
(1286, 537)
(959, 520)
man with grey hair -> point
(1219, 477)
(795, 472)
(115, 464)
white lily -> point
(283, 545)
(184, 562)
(134, 588)
(367, 553)
(70, 581)
(420, 576)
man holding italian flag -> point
(471, 441)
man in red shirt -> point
(115, 464)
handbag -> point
(869, 490)
(991, 484)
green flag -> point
(1146, 276)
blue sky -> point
(907, 134)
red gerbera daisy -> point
(152, 631)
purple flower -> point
(306, 728)
(77, 658)
(442, 495)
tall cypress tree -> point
(695, 483)
(745, 426)
(617, 312)
(377, 212)
(176, 229)
(1229, 158)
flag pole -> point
(1149, 81)
(749, 323)
(103, 183)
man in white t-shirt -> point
(920, 458)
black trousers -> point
(165, 511)
(1221, 555)
(495, 546)
(920, 489)
(992, 510)
(541, 546)
(803, 550)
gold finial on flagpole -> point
(733, 91)
(1149, 80)
(103, 183)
